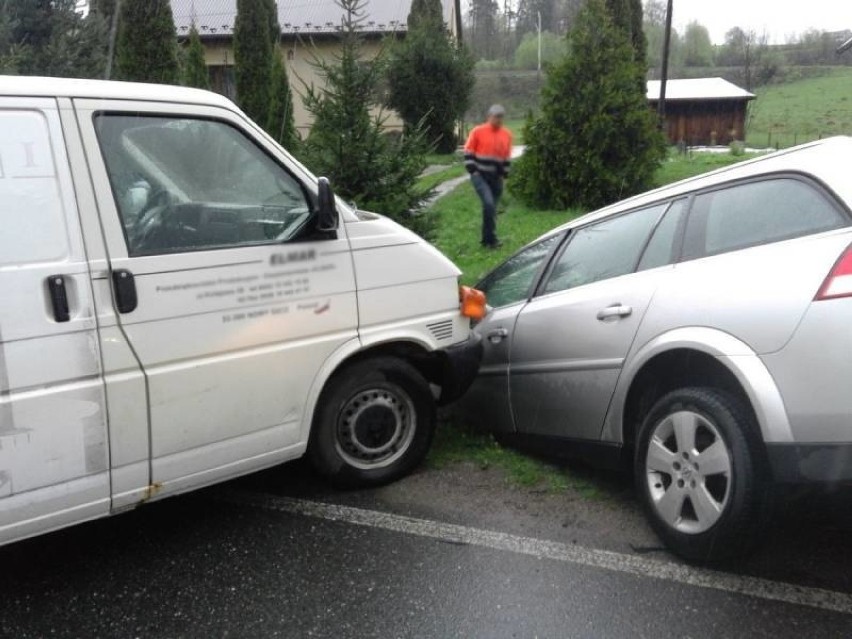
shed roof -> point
(699, 89)
(304, 17)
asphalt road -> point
(451, 553)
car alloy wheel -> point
(688, 469)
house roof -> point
(699, 89)
(302, 17)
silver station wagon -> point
(701, 332)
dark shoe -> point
(493, 245)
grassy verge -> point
(679, 167)
(442, 158)
(460, 225)
(434, 179)
(796, 112)
(455, 443)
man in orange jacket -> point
(487, 157)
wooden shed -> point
(702, 111)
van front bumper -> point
(460, 366)
(810, 463)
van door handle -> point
(615, 311)
(497, 335)
(59, 298)
(124, 285)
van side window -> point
(603, 250)
(661, 248)
(183, 184)
(32, 215)
(757, 213)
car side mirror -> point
(327, 216)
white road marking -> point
(541, 548)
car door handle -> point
(497, 335)
(59, 298)
(614, 311)
(124, 285)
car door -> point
(507, 288)
(229, 299)
(53, 444)
(571, 339)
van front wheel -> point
(373, 424)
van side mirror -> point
(327, 216)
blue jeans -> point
(489, 188)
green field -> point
(800, 111)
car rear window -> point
(758, 213)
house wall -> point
(704, 122)
(298, 56)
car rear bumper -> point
(461, 365)
(811, 463)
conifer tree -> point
(253, 58)
(195, 72)
(280, 124)
(430, 76)
(596, 141)
(348, 142)
(146, 50)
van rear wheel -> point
(374, 423)
(699, 475)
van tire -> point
(741, 496)
(373, 424)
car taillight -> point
(839, 280)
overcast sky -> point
(778, 17)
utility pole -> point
(664, 76)
(539, 42)
(113, 34)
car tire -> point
(374, 423)
(699, 474)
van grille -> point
(441, 330)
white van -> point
(183, 303)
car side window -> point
(757, 213)
(184, 184)
(661, 248)
(603, 250)
(513, 280)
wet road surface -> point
(451, 553)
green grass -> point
(517, 129)
(434, 179)
(442, 158)
(680, 167)
(455, 443)
(460, 222)
(800, 111)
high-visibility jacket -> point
(488, 150)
